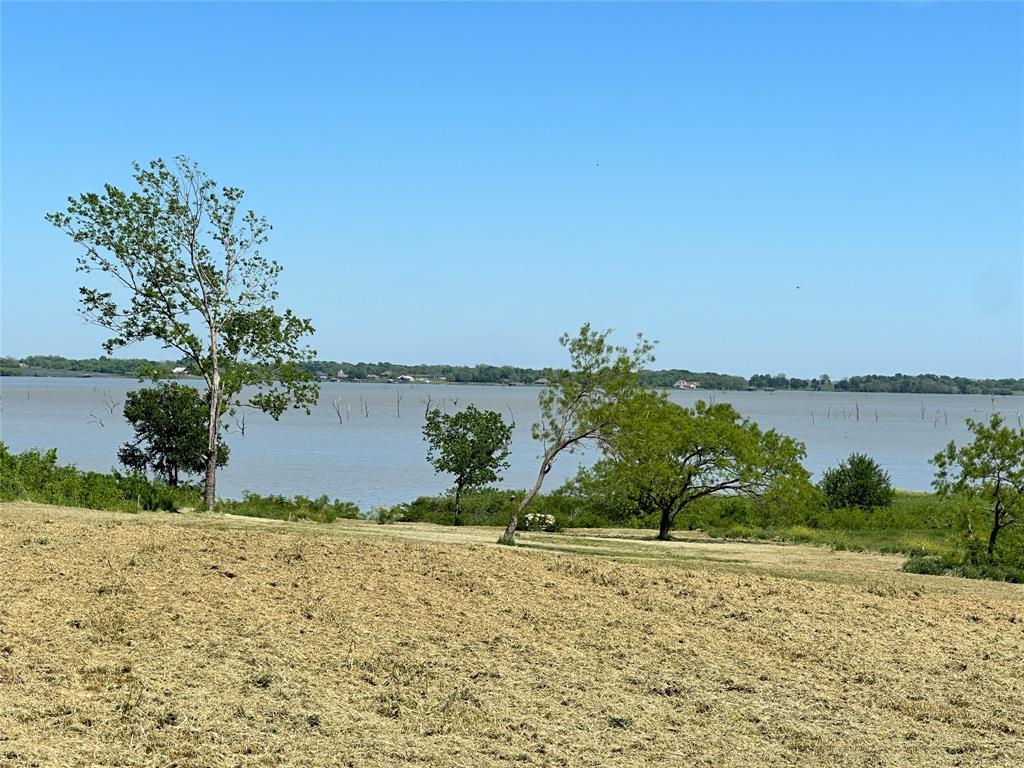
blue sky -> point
(463, 182)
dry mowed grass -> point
(190, 641)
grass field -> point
(195, 640)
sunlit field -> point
(200, 640)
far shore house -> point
(179, 371)
(543, 382)
(684, 384)
(406, 377)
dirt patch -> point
(188, 641)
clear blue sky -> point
(463, 182)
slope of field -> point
(197, 641)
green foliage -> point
(990, 469)
(185, 269)
(951, 566)
(472, 445)
(661, 457)
(36, 476)
(857, 482)
(481, 506)
(170, 423)
(514, 375)
(582, 403)
(320, 510)
(107, 365)
(930, 383)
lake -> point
(375, 454)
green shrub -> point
(320, 510)
(929, 566)
(36, 476)
(950, 566)
(857, 482)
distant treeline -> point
(47, 364)
(922, 384)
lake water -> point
(376, 456)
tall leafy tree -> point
(661, 457)
(170, 432)
(472, 445)
(182, 265)
(580, 404)
(989, 468)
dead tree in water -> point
(240, 423)
(336, 404)
(109, 402)
(399, 394)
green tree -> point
(170, 432)
(580, 404)
(472, 445)
(857, 482)
(990, 468)
(184, 268)
(662, 457)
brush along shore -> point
(198, 640)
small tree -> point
(991, 469)
(580, 404)
(857, 482)
(187, 271)
(662, 457)
(472, 445)
(170, 432)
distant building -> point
(406, 377)
(542, 382)
(180, 370)
(684, 384)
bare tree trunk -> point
(664, 526)
(992, 541)
(997, 524)
(210, 485)
(508, 537)
(458, 509)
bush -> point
(929, 566)
(36, 476)
(857, 482)
(320, 510)
(950, 566)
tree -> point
(580, 404)
(187, 271)
(857, 482)
(472, 445)
(170, 432)
(662, 457)
(990, 468)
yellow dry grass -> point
(201, 641)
